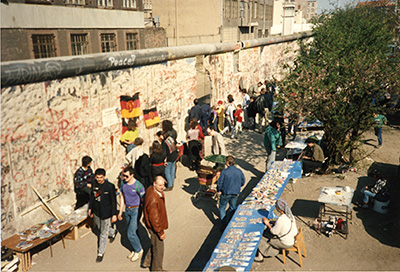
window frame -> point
(114, 41)
(54, 45)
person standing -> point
(103, 210)
(170, 151)
(132, 193)
(246, 103)
(136, 152)
(379, 121)
(230, 108)
(195, 111)
(156, 221)
(205, 116)
(239, 119)
(221, 116)
(218, 144)
(157, 160)
(83, 180)
(272, 140)
(228, 187)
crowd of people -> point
(146, 177)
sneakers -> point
(137, 256)
(259, 257)
(307, 174)
(99, 258)
(112, 238)
(131, 255)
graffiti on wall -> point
(47, 127)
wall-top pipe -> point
(39, 70)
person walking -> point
(272, 141)
(132, 193)
(379, 121)
(103, 210)
(156, 221)
(228, 187)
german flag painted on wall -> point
(130, 106)
(151, 118)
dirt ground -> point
(373, 242)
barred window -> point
(79, 44)
(105, 3)
(75, 2)
(129, 3)
(44, 46)
(108, 43)
(131, 41)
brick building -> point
(33, 29)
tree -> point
(338, 74)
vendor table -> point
(336, 201)
(299, 143)
(24, 254)
(239, 242)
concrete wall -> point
(47, 127)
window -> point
(131, 41)
(228, 8)
(312, 4)
(261, 11)
(79, 44)
(108, 43)
(255, 5)
(236, 9)
(75, 2)
(129, 3)
(44, 46)
(104, 3)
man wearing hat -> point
(312, 156)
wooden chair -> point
(298, 246)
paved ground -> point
(373, 243)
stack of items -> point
(39, 231)
(239, 242)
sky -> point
(326, 4)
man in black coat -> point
(103, 210)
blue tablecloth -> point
(239, 242)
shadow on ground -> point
(383, 227)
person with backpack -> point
(132, 193)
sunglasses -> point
(125, 176)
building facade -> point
(213, 21)
(32, 29)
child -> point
(239, 118)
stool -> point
(298, 246)
(381, 207)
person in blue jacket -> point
(228, 188)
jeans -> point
(104, 225)
(367, 195)
(270, 159)
(131, 217)
(223, 202)
(170, 173)
(378, 133)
